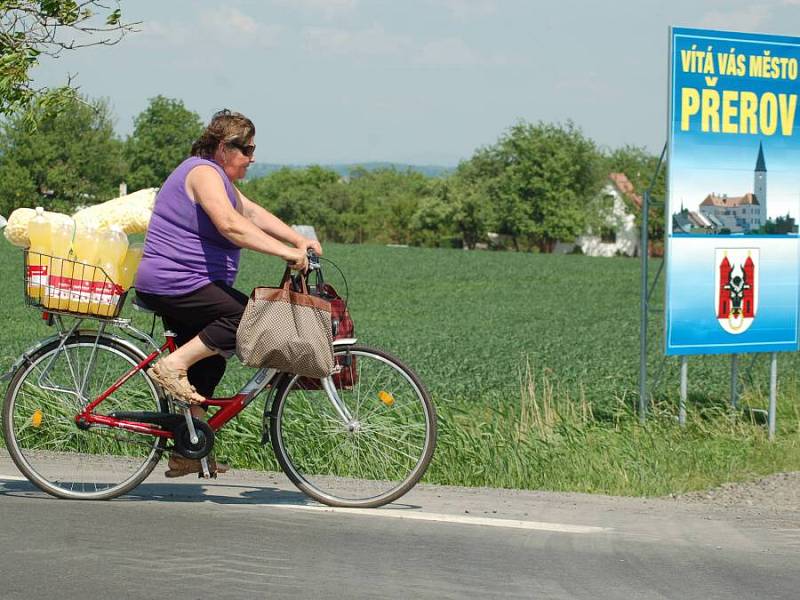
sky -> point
(412, 81)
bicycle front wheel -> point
(375, 458)
(45, 395)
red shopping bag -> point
(343, 327)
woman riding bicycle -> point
(191, 256)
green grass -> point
(532, 362)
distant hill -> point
(261, 169)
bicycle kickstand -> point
(206, 472)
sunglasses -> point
(247, 149)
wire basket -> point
(68, 286)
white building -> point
(620, 234)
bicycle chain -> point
(104, 431)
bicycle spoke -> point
(358, 394)
(371, 389)
(390, 431)
(370, 461)
(100, 462)
(412, 458)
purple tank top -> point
(183, 250)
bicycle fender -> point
(26, 356)
(119, 340)
(344, 342)
(55, 338)
(265, 419)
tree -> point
(30, 29)
(389, 200)
(430, 224)
(18, 188)
(73, 159)
(162, 137)
(543, 182)
(298, 197)
(384, 205)
(468, 211)
(780, 226)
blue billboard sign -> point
(733, 204)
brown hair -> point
(227, 127)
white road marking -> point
(445, 518)
(417, 516)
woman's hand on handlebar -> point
(308, 244)
(297, 259)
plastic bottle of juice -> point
(38, 255)
(127, 270)
(86, 248)
(106, 291)
(59, 286)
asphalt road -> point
(251, 535)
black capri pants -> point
(213, 313)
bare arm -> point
(267, 222)
(204, 185)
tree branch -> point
(33, 28)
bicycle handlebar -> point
(313, 260)
(313, 266)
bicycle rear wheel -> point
(370, 462)
(39, 427)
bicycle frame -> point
(229, 407)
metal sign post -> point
(645, 293)
(684, 391)
(773, 393)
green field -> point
(532, 361)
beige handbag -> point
(286, 330)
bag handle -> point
(286, 282)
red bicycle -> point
(82, 419)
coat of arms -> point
(736, 290)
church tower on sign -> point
(760, 183)
(734, 214)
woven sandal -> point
(179, 466)
(175, 383)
